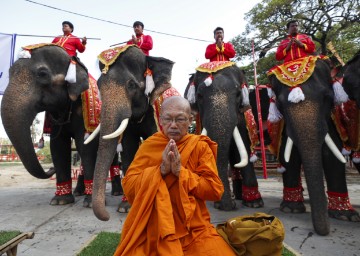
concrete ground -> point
(64, 230)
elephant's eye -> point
(42, 72)
(131, 85)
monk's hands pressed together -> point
(170, 160)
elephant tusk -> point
(92, 135)
(241, 147)
(204, 132)
(119, 131)
(330, 143)
(288, 148)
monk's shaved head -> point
(178, 101)
(175, 117)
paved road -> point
(63, 230)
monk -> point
(171, 176)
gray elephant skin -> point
(38, 84)
(308, 123)
(123, 97)
(351, 84)
(221, 111)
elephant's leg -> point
(88, 155)
(116, 188)
(293, 200)
(60, 145)
(251, 196)
(130, 144)
(247, 185)
(339, 206)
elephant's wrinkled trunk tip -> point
(100, 212)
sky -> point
(186, 18)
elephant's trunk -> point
(114, 110)
(220, 123)
(309, 139)
(18, 113)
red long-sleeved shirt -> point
(71, 43)
(224, 54)
(145, 43)
(295, 51)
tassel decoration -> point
(280, 169)
(296, 95)
(24, 54)
(119, 148)
(345, 151)
(149, 84)
(340, 96)
(274, 113)
(71, 73)
(253, 157)
(86, 135)
(208, 80)
(191, 94)
(245, 95)
(356, 157)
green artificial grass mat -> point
(6, 236)
(105, 244)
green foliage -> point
(104, 244)
(6, 236)
(324, 21)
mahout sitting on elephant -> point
(218, 92)
(309, 139)
(132, 87)
(46, 78)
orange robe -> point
(168, 215)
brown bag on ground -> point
(256, 235)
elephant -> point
(350, 109)
(127, 112)
(310, 139)
(40, 82)
(223, 118)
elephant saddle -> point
(214, 66)
(296, 72)
(109, 56)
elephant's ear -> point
(190, 90)
(161, 71)
(81, 83)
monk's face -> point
(175, 120)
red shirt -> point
(295, 51)
(71, 43)
(145, 43)
(224, 54)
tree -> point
(324, 21)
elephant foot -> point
(124, 207)
(80, 186)
(257, 203)
(292, 207)
(62, 200)
(347, 215)
(225, 206)
(116, 189)
(87, 201)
